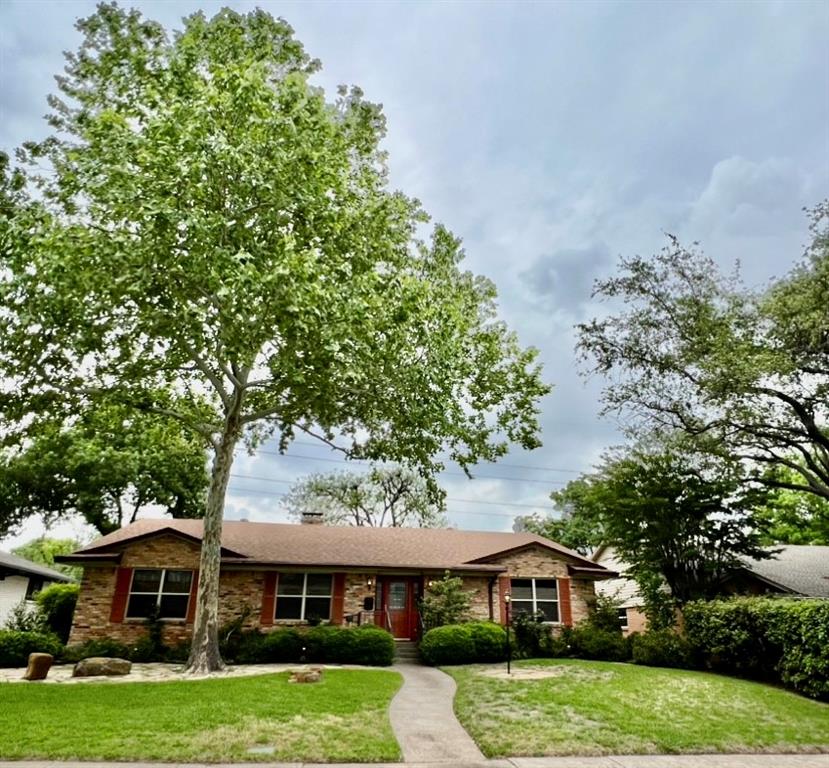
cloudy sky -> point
(553, 138)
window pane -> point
(550, 611)
(545, 589)
(146, 580)
(173, 606)
(522, 606)
(290, 583)
(318, 584)
(289, 608)
(521, 589)
(177, 581)
(140, 606)
(319, 607)
(397, 596)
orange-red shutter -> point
(503, 588)
(123, 580)
(268, 599)
(564, 602)
(338, 600)
(191, 604)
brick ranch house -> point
(283, 574)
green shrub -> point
(661, 648)
(104, 646)
(588, 642)
(369, 645)
(445, 602)
(15, 646)
(451, 644)
(489, 640)
(282, 646)
(56, 605)
(531, 634)
(22, 618)
(775, 638)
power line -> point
(448, 498)
(500, 464)
(454, 474)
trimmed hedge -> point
(15, 646)
(589, 642)
(470, 643)
(767, 638)
(661, 648)
(368, 645)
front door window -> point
(397, 596)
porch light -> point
(369, 582)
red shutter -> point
(566, 612)
(123, 580)
(268, 599)
(194, 591)
(338, 600)
(503, 588)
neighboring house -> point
(631, 606)
(277, 574)
(794, 571)
(20, 579)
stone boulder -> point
(312, 675)
(39, 666)
(100, 666)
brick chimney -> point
(311, 518)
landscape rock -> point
(312, 675)
(100, 666)
(39, 666)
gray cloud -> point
(550, 137)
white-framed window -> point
(534, 596)
(623, 618)
(163, 589)
(304, 596)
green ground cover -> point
(342, 718)
(594, 708)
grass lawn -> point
(595, 707)
(342, 718)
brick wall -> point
(538, 562)
(92, 613)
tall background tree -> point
(680, 518)
(44, 549)
(384, 496)
(211, 225)
(748, 370)
(105, 466)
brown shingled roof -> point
(295, 544)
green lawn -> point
(595, 708)
(342, 718)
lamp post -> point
(507, 598)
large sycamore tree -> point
(206, 223)
(744, 370)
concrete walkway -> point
(424, 722)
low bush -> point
(661, 648)
(16, 646)
(531, 634)
(489, 640)
(450, 644)
(370, 645)
(470, 643)
(104, 646)
(56, 605)
(588, 642)
(770, 638)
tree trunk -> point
(204, 648)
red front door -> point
(399, 603)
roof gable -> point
(322, 545)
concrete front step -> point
(406, 650)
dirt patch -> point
(524, 673)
